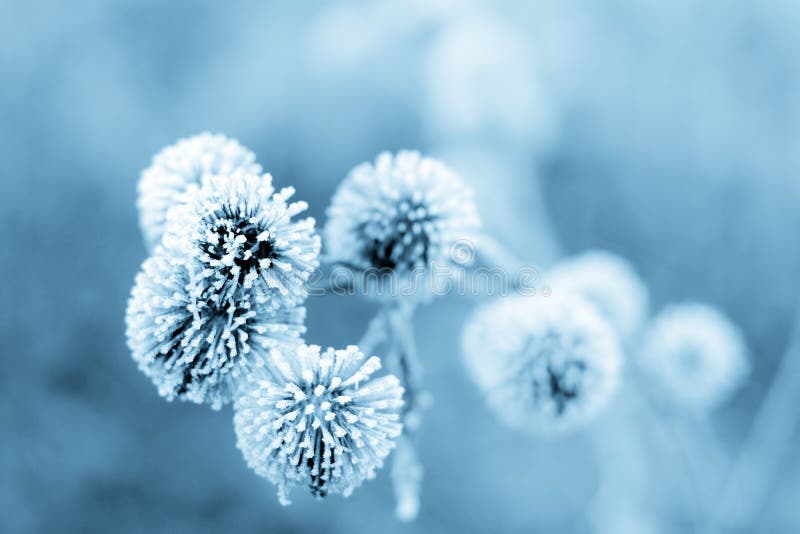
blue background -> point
(667, 132)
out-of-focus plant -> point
(544, 364)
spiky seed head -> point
(245, 237)
(695, 356)
(317, 419)
(195, 347)
(391, 220)
(544, 364)
(181, 167)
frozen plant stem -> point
(764, 448)
(407, 471)
(491, 252)
(629, 430)
(407, 475)
(403, 357)
(707, 456)
(622, 460)
(375, 334)
(392, 329)
(486, 252)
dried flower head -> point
(194, 347)
(390, 221)
(244, 236)
(695, 356)
(544, 364)
(181, 167)
(315, 418)
(607, 281)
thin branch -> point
(375, 335)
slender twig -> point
(518, 276)
(622, 453)
(407, 473)
(708, 457)
(406, 362)
(490, 251)
(764, 448)
(407, 470)
(375, 335)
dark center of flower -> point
(401, 242)
(564, 383)
(247, 252)
(555, 376)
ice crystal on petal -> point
(181, 167)
(317, 419)
(544, 364)
(607, 281)
(245, 236)
(694, 354)
(397, 217)
(195, 347)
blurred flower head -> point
(391, 221)
(544, 364)
(695, 356)
(608, 282)
(244, 235)
(194, 347)
(316, 419)
(181, 167)
(481, 80)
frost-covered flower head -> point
(244, 235)
(316, 419)
(181, 167)
(544, 364)
(695, 356)
(196, 348)
(390, 221)
(607, 281)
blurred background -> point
(666, 132)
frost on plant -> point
(193, 346)
(316, 419)
(182, 167)
(407, 473)
(390, 221)
(244, 235)
(607, 281)
(544, 364)
(696, 357)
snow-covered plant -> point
(192, 345)
(392, 221)
(181, 167)
(608, 282)
(544, 364)
(318, 419)
(694, 355)
(393, 225)
(244, 236)
(216, 315)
